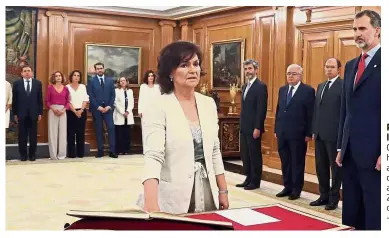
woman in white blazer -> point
(148, 93)
(122, 116)
(183, 170)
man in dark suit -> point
(293, 130)
(325, 132)
(27, 107)
(252, 125)
(359, 137)
(101, 93)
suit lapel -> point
(252, 86)
(296, 94)
(33, 86)
(181, 119)
(242, 93)
(204, 122)
(373, 65)
(320, 91)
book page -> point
(135, 214)
(247, 216)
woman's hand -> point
(151, 207)
(223, 201)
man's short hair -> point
(338, 63)
(252, 62)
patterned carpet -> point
(39, 193)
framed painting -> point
(118, 60)
(226, 63)
(20, 50)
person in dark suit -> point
(101, 93)
(359, 137)
(325, 133)
(293, 130)
(252, 125)
(27, 107)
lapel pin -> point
(375, 66)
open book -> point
(139, 214)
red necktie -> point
(361, 68)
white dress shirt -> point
(248, 87)
(325, 85)
(25, 84)
(295, 87)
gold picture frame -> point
(226, 61)
(118, 60)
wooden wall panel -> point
(318, 47)
(344, 47)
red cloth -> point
(361, 68)
(289, 220)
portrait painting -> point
(119, 61)
(226, 63)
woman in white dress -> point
(148, 93)
(8, 102)
(123, 117)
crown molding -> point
(176, 13)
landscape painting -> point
(118, 61)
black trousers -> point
(75, 134)
(251, 154)
(325, 155)
(27, 128)
(292, 154)
(123, 138)
(361, 195)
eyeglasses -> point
(292, 74)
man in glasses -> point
(293, 129)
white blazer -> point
(147, 97)
(118, 117)
(169, 151)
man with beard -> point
(293, 130)
(359, 136)
(252, 125)
(101, 93)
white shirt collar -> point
(295, 87)
(333, 79)
(25, 80)
(372, 52)
(252, 81)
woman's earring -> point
(171, 78)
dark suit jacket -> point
(23, 105)
(294, 121)
(99, 95)
(327, 111)
(360, 114)
(253, 108)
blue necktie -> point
(289, 96)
